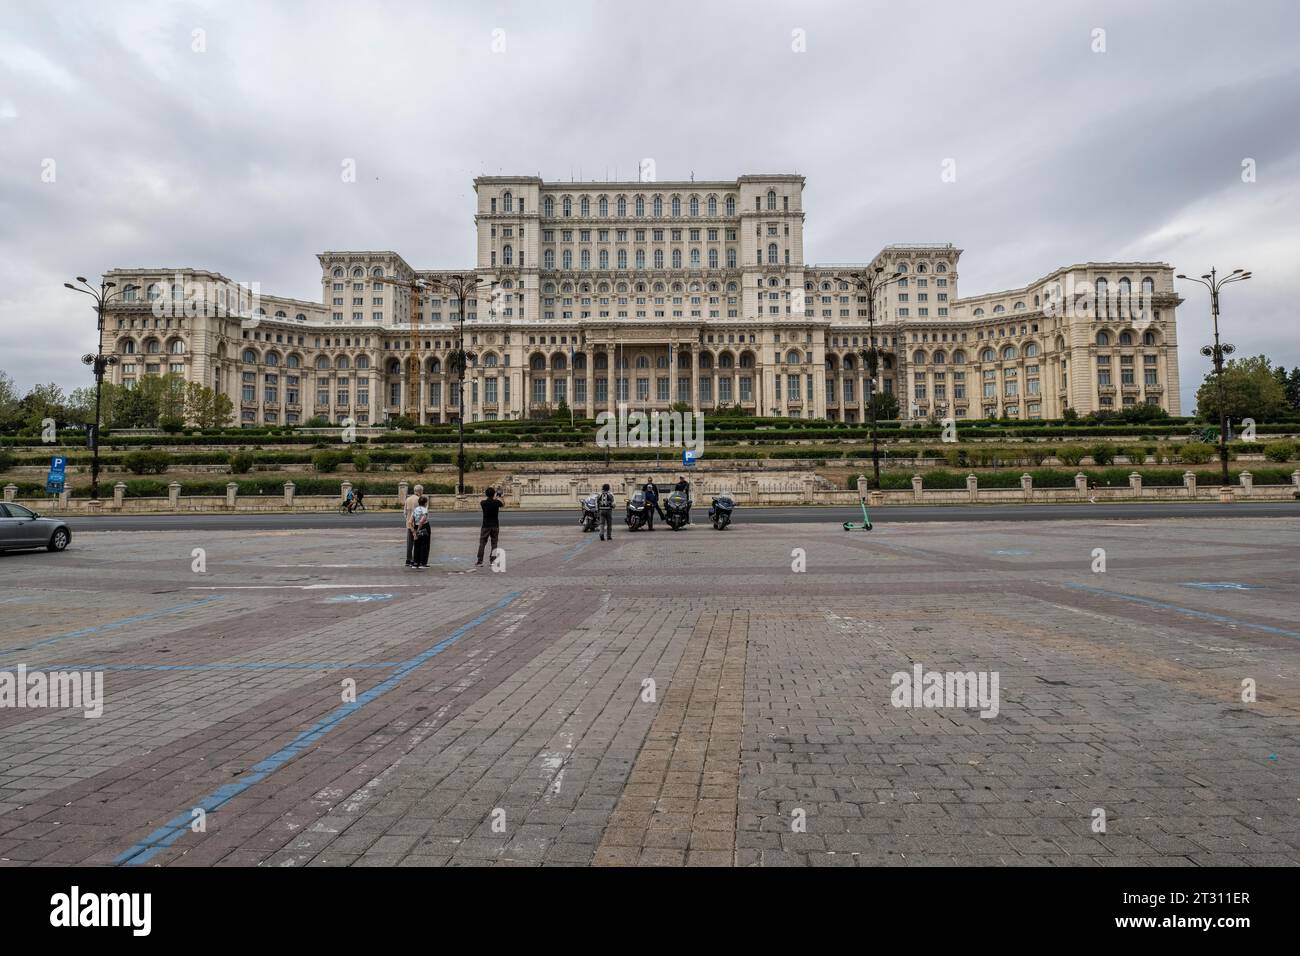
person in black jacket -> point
(651, 492)
(684, 487)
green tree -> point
(8, 401)
(1290, 386)
(1251, 390)
(135, 406)
(886, 404)
(206, 407)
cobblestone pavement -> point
(661, 699)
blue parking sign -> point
(688, 458)
(57, 465)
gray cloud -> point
(229, 159)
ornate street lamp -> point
(98, 362)
(1217, 351)
(871, 282)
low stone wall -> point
(534, 493)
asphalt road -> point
(897, 514)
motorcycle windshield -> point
(637, 501)
(677, 499)
(725, 502)
(589, 502)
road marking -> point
(1190, 612)
(114, 625)
(281, 587)
(165, 836)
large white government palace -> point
(652, 293)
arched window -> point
(1031, 350)
(584, 208)
(604, 258)
(640, 258)
(695, 205)
(1125, 338)
(176, 347)
(726, 360)
(568, 258)
(939, 358)
(731, 205)
(250, 357)
(658, 206)
(901, 267)
(793, 358)
(713, 258)
(507, 255)
(568, 207)
(677, 205)
(342, 362)
(918, 357)
(1103, 339)
(677, 258)
(979, 311)
(695, 258)
(1148, 288)
(338, 272)
(322, 362)
(941, 267)
(358, 273)
(127, 346)
(508, 201)
(622, 258)
(773, 254)
(537, 363)
(604, 207)
(1148, 338)
(640, 205)
(1009, 353)
(622, 206)
(363, 361)
(642, 361)
(1102, 296)
(548, 207)
(747, 360)
(988, 355)
(713, 205)
(293, 361)
(659, 258)
(921, 267)
(959, 357)
(771, 200)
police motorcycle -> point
(720, 511)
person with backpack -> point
(408, 506)
(605, 511)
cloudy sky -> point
(228, 157)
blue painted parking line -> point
(1190, 612)
(578, 549)
(165, 836)
(114, 625)
(249, 666)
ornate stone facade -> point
(648, 293)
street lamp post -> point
(871, 282)
(99, 362)
(460, 286)
(1217, 351)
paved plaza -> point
(295, 697)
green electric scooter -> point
(866, 519)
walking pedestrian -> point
(422, 533)
(605, 511)
(491, 505)
(408, 506)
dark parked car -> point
(22, 527)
